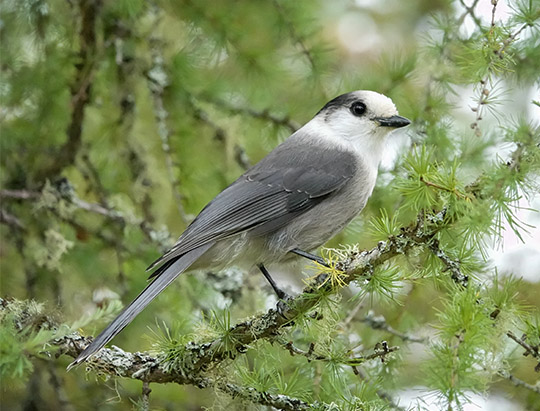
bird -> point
(287, 205)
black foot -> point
(309, 256)
(282, 308)
(282, 295)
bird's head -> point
(360, 120)
(361, 112)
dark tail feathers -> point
(143, 299)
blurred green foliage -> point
(120, 120)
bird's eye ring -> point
(358, 108)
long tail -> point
(142, 300)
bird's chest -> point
(330, 216)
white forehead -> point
(377, 103)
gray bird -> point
(294, 200)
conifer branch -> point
(381, 350)
(379, 323)
(220, 134)
(81, 88)
(158, 81)
(10, 220)
(265, 115)
(532, 350)
(380, 392)
(485, 92)
(469, 11)
(518, 382)
(295, 36)
(68, 195)
(198, 357)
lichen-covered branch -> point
(197, 357)
(158, 81)
(62, 191)
(147, 368)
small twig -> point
(518, 382)
(469, 11)
(154, 236)
(295, 36)
(379, 323)
(146, 396)
(80, 89)
(439, 187)
(20, 194)
(453, 266)
(493, 10)
(381, 350)
(485, 91)
(380, 392)
(10, 220)
(531, 350)
(351, 315)
(91, 174)
(220, 134)
(158, 81)
(309, 354)
(265, 114)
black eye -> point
(358, 108)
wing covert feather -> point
(268, 196)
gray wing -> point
(283, 185)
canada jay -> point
(291, 202)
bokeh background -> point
(121, 119)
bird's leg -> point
(282, 295)
(309, 256)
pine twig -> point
(532, 350)
(158, 81)
(146, 396)
(220, 134)
(451, 265)
(518, 382)
(10, 220)
(264, 115)
(485, 91)
(379, 323)
(380, 392)
(295, 36)
(109, 213)
(80, 89)
(469, 11)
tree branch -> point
(518, 382)
(158, 81)
(153, 235)
(10, 220)
(80, 89)
(379, 323)
(532, 350)
(197, 357)
(264, 115)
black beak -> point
(394, 121)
